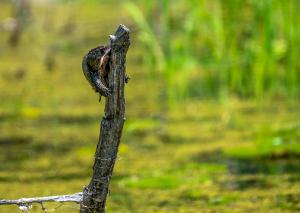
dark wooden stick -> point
(94, 195)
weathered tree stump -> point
(93, 198)
(94, 195)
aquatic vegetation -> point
(219, 49)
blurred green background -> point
(212, 104)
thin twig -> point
(77, 198)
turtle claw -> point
(101, 87)
(104, 91)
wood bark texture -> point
(95, 194)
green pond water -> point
(194, 156)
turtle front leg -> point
(103, 69)
(100, 86)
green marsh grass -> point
(221, 48)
